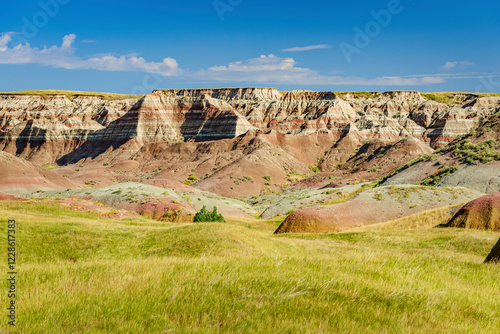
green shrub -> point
(208, 216)
(314, 168)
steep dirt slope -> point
(18, 176)
(8, 197)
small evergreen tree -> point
(208, 216)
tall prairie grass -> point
(82, 274)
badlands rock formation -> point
(217, 133)
(44, 128)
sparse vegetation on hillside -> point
(191, 179)
(443, 171)
(49, 166)
(294, 176)
(345, 197)
(473, 154)
(314, 168)
(425, 157)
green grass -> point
(79, 273)
(49, 166)
(70, 94)
(358, 95)
(451, 97)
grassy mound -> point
(481, 214)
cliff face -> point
(48, 128)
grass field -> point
(82, 274)
(71, 93)
(450, 97)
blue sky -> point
(135, 47)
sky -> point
(133, 47)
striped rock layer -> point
(56, 128)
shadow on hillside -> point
(26, 136)
(112, 137)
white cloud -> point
(268, 69)
(4, 41)
(453, 64)
(278, 70)
(63, 57)
(307, 48)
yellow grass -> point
(450, 97)
(425, 219)
(79, 273)
(71, 93)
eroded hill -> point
(236, 142)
